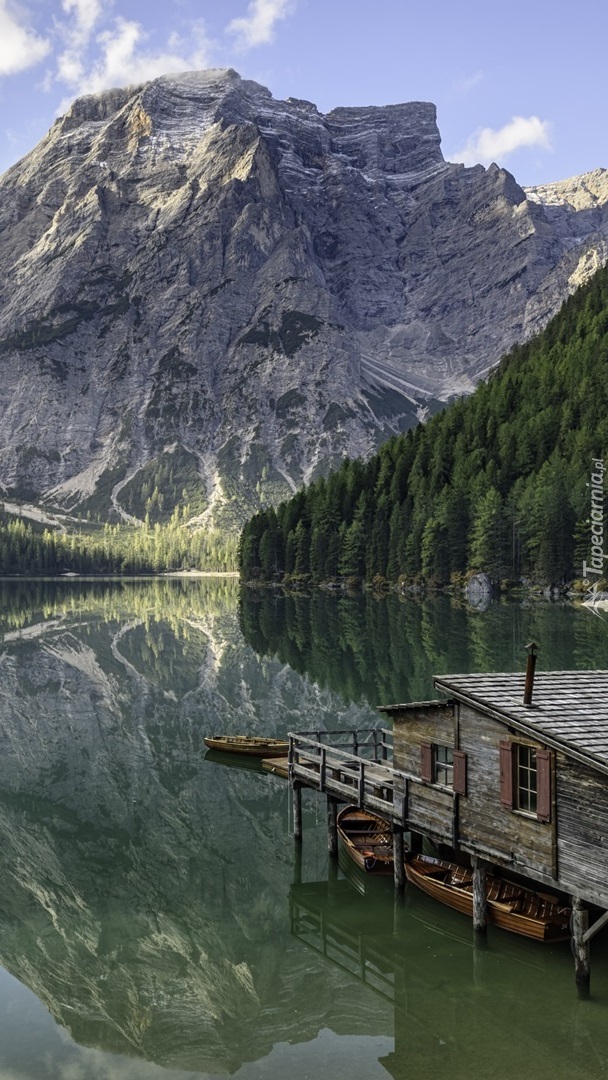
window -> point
(525, 787)
(443, 765)
(525, 779)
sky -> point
(523, 85)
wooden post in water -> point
(332, 880)
(398, 858)
(580, 947)
(296, 791)
(332, 827)
(297, 865)
(479, 896)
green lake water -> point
(156, 920)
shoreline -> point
(70, 575)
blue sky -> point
(523, 85)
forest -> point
(498, 482)
(113, 549)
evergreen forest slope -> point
(497, 482)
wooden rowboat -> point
(248, 744)
(509, 906)
(367, 838)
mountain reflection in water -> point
(151, 899)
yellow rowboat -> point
(248, 744)
(509, 906)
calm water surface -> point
(154, 919)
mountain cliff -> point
(210, 297)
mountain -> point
(211, 297)
(508, 481)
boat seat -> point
(437, 872)
(460, 875)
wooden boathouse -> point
(497, 774)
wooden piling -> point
(479, 896)
(398, 858)
(580, 947)
(480, 958)
(332, 880)
(296, 792)
(332, 827)
(297, 865)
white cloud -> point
(20, 47)
(86, 14)
(486, 145)
(101, 51)
(123, 59)
(257, 27)
(465, 85)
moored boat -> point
(367, 839)
(510, 906)
(248, 744)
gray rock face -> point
(204, 284)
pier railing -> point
(373, 743)
(324, 761)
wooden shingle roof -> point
(569, 708)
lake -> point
(156, 919)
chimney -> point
(531, 650)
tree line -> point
(497, 482)
(113, 549)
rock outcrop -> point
(217, 295)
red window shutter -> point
(543, 785)
(459, 774)
(426, 762)
(506, 773)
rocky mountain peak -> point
(394, 139)
(586, 192)
(175, 111)
(210, 296)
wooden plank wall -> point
(484, 826)
(431, 812)
(582, 840)
(412, 727)
(484, 823)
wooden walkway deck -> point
(353, 767)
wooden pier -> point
(355, 768)
(496, 783)
(347, 766)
